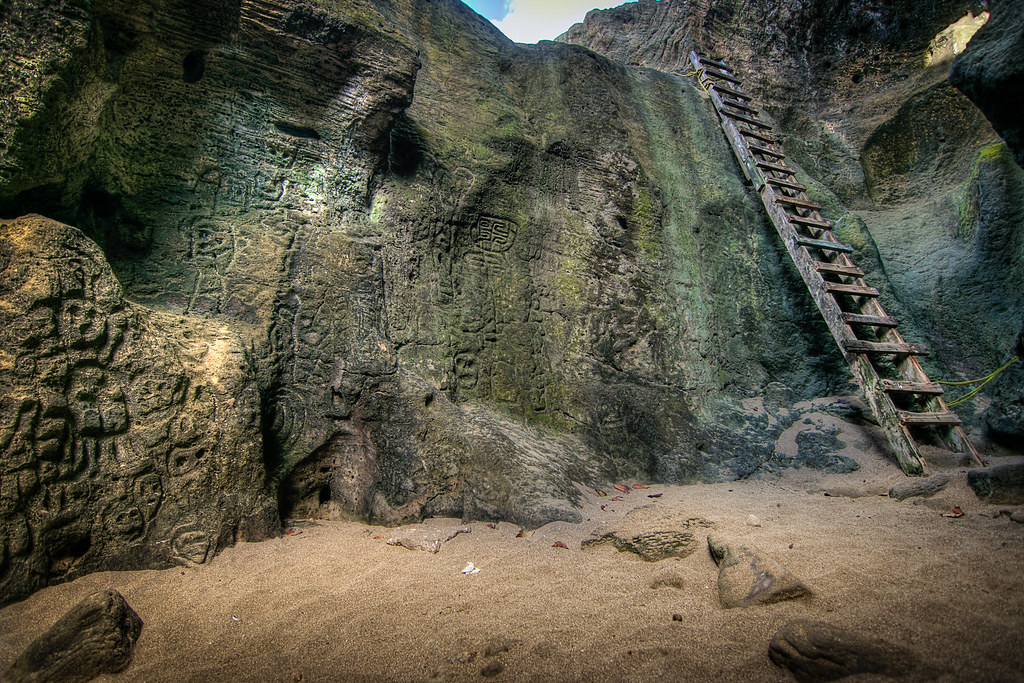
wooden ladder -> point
(894, 384)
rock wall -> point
(911, 171)
(129, 437)
(457, 275)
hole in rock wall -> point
(68, 553)
(405, 148)
(194, 66)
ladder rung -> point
(747, 120)
(732, 93)
(714, 73)
(893, 386)
(764, 150)
(813, 222)
(739, 105)
(876, 320)
(903, 349)
(824, 244)
(947, 418)
(794, 201)
(763, 137)
(786, 183)
(769, 166)
(856, 290)
(837, 269)
(713, 62)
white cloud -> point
(533, 20)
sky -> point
(527, 21)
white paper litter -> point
(470, 569)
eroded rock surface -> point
(910, 172)
(129, 438)
(1001, 484)
(991, 72)
(652, 532)
(97, 636)
(816, 651)
(454, 275)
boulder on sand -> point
(746, 576)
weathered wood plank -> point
(757, 135)
(769, 166)
(765, 150)
(813, 222)
(824, 244)
(740, 105)
(726, 90)
(837, 269)
(857, 290)
(779, 182)
(796, 201)
(948, 418)
(721, 75)
(714, 62)
(875, 320)
(748, 120)
(899, 348)
(894, 386)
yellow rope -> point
(984, 380)
(699, 73)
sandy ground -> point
(336, 603)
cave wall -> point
(910, 170)
(453, 275)
(130, 437)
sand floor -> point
(336, 603)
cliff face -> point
(913, 172)
(442, 274)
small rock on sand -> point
(746, 576)
(652, 532)
(429, 537)
(816, 651)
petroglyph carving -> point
(494, 234)
(191, 545)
